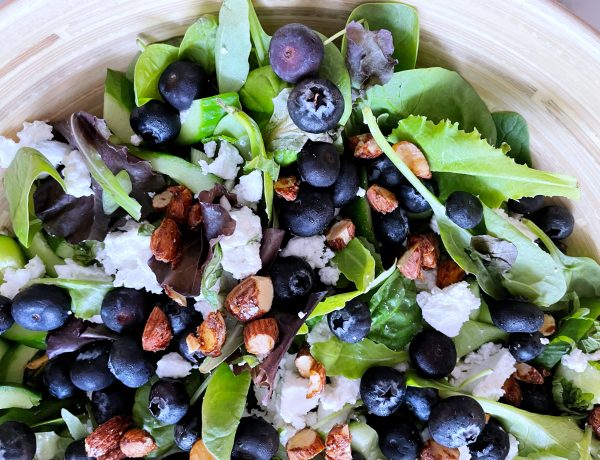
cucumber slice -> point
(33, 339)
(229, 126)
(119, 101)
(17, 397)
(40, 247)
(11, 255)
(365, 441)
(4, 347)
(12, 365)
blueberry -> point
(194, 357)
(181, 318)
(316, 105)
(129, 363)
(382, 390)
(413, 201)
(76, 451)
(6, 319)
(17, 441)
(292, 278)
(255, 439)
(383, 172)
(89, 371)
(295, 52)
(124, 310)
(57, 377)
(401, 441)
(391, 228)
(464, 209)
(555, 221)
(537, 399)
(526, 205)
(168, 401)
(352, 323)
(525, 347)
(433, 354)
(155, 122)
(115, 400)
(319, 164)
(189, 429)
(420, 401)
(346, 186)
(41, 307)
(491, 444)
(309, 214)
(456, 421)
(516, 316)
(181, 83)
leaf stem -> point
(339, 34)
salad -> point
(292, 246)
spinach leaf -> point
(199, 41)
(356, 263)
(222, 409)
(150, 65)
(395, 315)
(27, 166)
(465, 162)
(211, 274)
(359, 211)
(512, 129)
(260, 89)
(352, 359)
(260, 39)
(232, 48)
(473, 334)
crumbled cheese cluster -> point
(577, 360)
(72, 270)
(249, 189)
(16, 278)
(173, 365)
(226, 164)
(316, 253)
(241, 250)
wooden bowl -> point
(531, 57)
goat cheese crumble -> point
(173, 365)
(312, 249)
(513, 449)
(16, 278)
(329, 275)
(241, 250)
(577, 360)
(249, 188)
(72, 270)
(76, 175)
(226, 164)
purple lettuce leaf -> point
(269, 246)
(75, 334)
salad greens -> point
(149, 66)
(119, 100)
(512, 129)
(258, 92)
(473, 334)
(356, 263)
(260, 39)
(576, 392)
(199, 42)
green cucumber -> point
(11, 255)
(17, 397)
(119, 100)
(4, 347)
(365, 441)
(201, 119)
(12, 365)
(46, 413)
(229, 126)
(40, 247)
(33, 339)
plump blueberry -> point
(400, 441)
(194, 357)
(189, 429)
(319, 164)
(181, 318)
(292, 278)
(537, 399)
(352, 323)
(309, 214)
(76, 451)
(433, 354)
(346, 186)
(255, 439)
(413, 201)
(556, 221)
(456, 421)
(382, 390)
(383, 172)
(6, 319)
(181, 83)
(17, 441)
(316, 105)
(89, 371)
(391, 228)
(57, 377)
(115, 400)
(526, 205)
(464, 209)
(295, 52)
(155, 122)
(491, 444)
(124, 310)
(420, 401)
(516, 316)
(525, 347)
(168, 401)
(41, 307)
(129, 363)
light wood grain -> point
(530, 56)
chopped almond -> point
(165, 242)
(528, 374)
(37, 363)
(195, 217)
(137, 443)
(107, 436)
(260, 336)
(175, 296)
(364, 146)
(410, 263)
(250, 299)
(160, 201)
(287, 187)
(414, 159)
(304, 362)
(512, 392)
(157, 332)
(200, 452)
(337, 445)
(549, 326)
(316, 380)
(381, 199)
(180, 204)
(594, 420)
(340, 234)
(449, 273)
(212, 334)
(428, 244)
(304, 445)
(434, 451)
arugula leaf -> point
(211, 274)
(356, 263)
(473, 334)
(512, 129)
(149, 66)
(261, 87)
(143, 418)
(27, 166)
(222, 409)
(260, 39)
(198, 44)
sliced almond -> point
(316, 380)
(157, 332)
(594, 420)
(165, 242)
(528, 374)
(37, 363)
(200, 452)
(337, 445)
(411, 262)
(381, 199)
(549, 326)
(304, 362)
(260, 336)
(195, 217)
(107, 436)
(340, 234)
(180, 204)
(160, 201)
(449, 273)
(414, 159)
(250, 299)
(434, 451)
(304, 445)
(512, 392)
(287, 187)
(175, 296)
(212, 334)
(364, 146)
(115, 454)
(137, 443)
(430, 251)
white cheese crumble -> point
(577, 360)
(72, 270)
(241, 250)
(513, 449)
(489, 357)
(329, 275)
(433, 225)
(136, 140)
(16, 278)
(464, 453)
(225, 164)
(125, 255)
(204, 307)
(210, 149)
(312, 249)
(428, 282)
(361, 192)
(76, 174)
(250, 188)
(173, 365)
(448, 309)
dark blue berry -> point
(155, 122)
(383, 172)
(309, 214)
(181, 83)
(382, 390)
(464, 209)
(526, 205)
(124, 310)
(295, 52)
(391, 228)
(315, 105)
(89, 371)
(352, 323)
(189, 429)
(181, 318)
(516, 316)
(129, 363)
(168, 401)
(17, 441)
(76, 451)
(346, 186)
(537, 399)
(492, 443)
(194, 357)
(420, 401)
(115, 400)
(292, 278)
(525, 347)
(57, 377)
(400, 441)
(319, 164)
(255, 439)
(456, 421)
(413, 201)
(555, 221)
(6, 319)
(41, 307)
(433, 354)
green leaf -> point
(27, 166)
(260, 39)
(352, 359)
(359, 211)
(222, 409)
(211, 274)
(261, 87)
(232, 48)
(473, 334)
(465, 162)
(568, 397)
(591, 342)
(512, 129)
(365, 441)
(119, 101)
(109, 204)
(199, 41)
(76, 427)
(356, 263)
(150, 65)
(395, 315)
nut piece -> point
(180, 204)
(287, 187)
(414, 159)
(212, 334)
(157, 332)
(160, 201)
(449, 273)
(337, 445)
(261, 335)
(364, 146)
(195, 217)
(37, 363)
(594, 420)
(316, 380)
(115, 454)
(304, 362)
(106, 437)
(250, 299)
(549, 326)
(428, 244)
(137, 443)
(528, 374)
(200, 452)
(410, 263)
(434, 451)
(512, 392)
(381, 199)
(304, 445)
(340, 234)
(165, 242)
